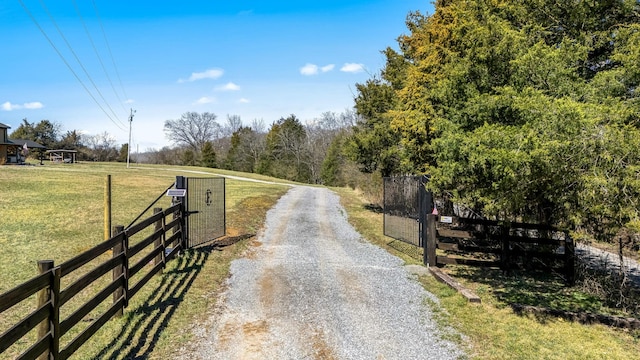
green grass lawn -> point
(56, 211)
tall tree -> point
(71, 140)
(208, 155)
(102, 147)
(522, 110)
(25, 131)
(193, 130)
(286, 154)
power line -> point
(78, 60)
(109, 49)
(67, 64)
(95, 49)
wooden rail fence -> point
(507, 245)
(128, 259)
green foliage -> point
(330, 172)
(188, 158)
(208, 158)
(44, 132)
(71, 140)
(285, 154)
(241, 155)
(374, 145)
(521, 110)
(123, 153)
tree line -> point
(99, 147)
(288, 149)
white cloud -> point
(228, 87)
(352, 68)
(33, 105)
(8, 106)
(129, 101)
(309, 69)
(244, 101)
(327, 68)
(205, 100)
(208, 74)
(313, 69)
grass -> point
(492, 330)
(56, 212)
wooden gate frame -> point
(506, 238)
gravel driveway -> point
(314, 289)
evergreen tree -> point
(208, 155)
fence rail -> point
(507, 245)
(155, 249)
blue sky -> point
(256, 59)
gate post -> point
(181, 183)
(569, 260)
(431, 241)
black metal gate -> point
(406, 204)
(205, 208)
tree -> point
(71, 140)
(123, 153)
(374, 145)
(193, 130)
(25, 131)
(286, 154)
(188, 157)
(333, 163)
(102, 147)
(208, 155)
(521, 110)
(246, 148)
(45, 132)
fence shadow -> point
(145, 323)
(528, 288)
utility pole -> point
(129, 145)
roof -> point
(30, 144)
(61, 151)
(5, 126)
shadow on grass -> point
(412, 251)
(532, 288)
(373, 208)
(145, 324)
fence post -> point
(505, 254)
(159, 243)
(44, 296)
(55, 315)
(120, 271)
(431, 241)
(569, 259)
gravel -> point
(603, 260)
(315, 289)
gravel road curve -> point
(314, 289)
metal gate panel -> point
(205, 204)
(406, 203)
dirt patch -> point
(321, 350)
(273, 286)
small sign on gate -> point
(177, 192)
(446, 219)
